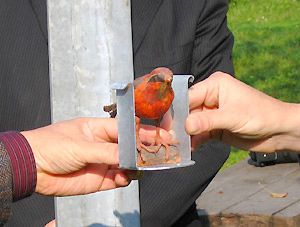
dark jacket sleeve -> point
(5, 185)
(213, 41)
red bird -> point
(153, 96)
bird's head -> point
(161, 74)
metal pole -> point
(90, 47)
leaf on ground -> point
(274, 194)
(278, 195)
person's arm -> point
(224, 108)
(5, 185)
(22, 164)
(19, 173)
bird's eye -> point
(157, 78)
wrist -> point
(289, 123)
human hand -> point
(224, 108)
(77, 157)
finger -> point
(121, 178)
(205, 121)
(148, 132)
(93, 178)
(203, 93)
(104, 129)
(114, 179)
(101, 153)
(167, 121)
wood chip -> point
(279, 195)
(274, 194)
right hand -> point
(224, 108)
(78, 156)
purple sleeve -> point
(22, 164)
(5, 185)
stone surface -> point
(159, 158)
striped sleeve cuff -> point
(22, 164)
(5, 185)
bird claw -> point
(167, 154)
(159, 142)
(155, 146)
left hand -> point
(77, 157)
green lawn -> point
(266, 53)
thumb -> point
(205, 121)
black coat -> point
(188, 36)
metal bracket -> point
(128, 154)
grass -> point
(266, 53)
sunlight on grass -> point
(235, 156)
